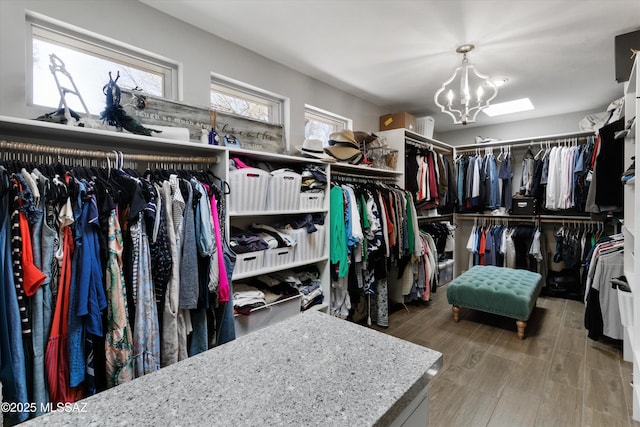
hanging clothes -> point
(89, 257)
(602, 312)
(431, 180)
(520, 246)
(609, 167)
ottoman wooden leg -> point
(521, 324)
(456, 313)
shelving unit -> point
(280, 310)
(99, 142)
(631, 242)
(400, 139)
(517, 147)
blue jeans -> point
(199, 342)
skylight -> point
(509, 107)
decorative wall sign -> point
(252, 134)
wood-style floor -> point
(556, 376)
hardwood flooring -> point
(556, 376)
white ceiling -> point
(395, 54)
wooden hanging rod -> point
(37, 149)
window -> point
(88, 59)
(237, 98)
(319, 124)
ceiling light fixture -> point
(467, 91)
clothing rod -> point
(368, 178)
(37, 149)
(439, 217)
(427, 145)
(526, 141)
(542, 218)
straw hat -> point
(314, 148)
(345, 152)
(345, 136)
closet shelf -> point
(630, 231)
(273, 157)
(524, 141)
(267, 270)
(27, 130)
(275, 213)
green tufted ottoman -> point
(498, 290)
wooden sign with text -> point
(252, 134)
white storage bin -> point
(248, 189)
(308, 245)
(268, 315)
(250, 261)
(311, 200)
(284, 191)
(625, 302)
(278, 256)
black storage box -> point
(623, 45)
(522, 205)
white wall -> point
(542, 126)
(199, 53)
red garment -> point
(391, 229)
(483, 246)
(57, 353)
(433, 181)
(594, 155)
(31, 275)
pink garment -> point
(239, 163)
(223, 287)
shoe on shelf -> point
(628, 128)
(630, 172)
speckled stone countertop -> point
(311, 369)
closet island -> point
(311, 369)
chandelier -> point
(463, 95)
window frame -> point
(320, 115)
(57, 32)
(275, 103)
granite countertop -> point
(311, 369)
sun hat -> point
(346, 136)
(345, 153)
(364, 137)
(314, 148)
